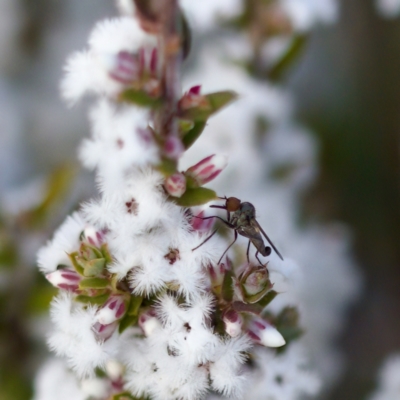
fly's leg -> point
(234, 240)
(209, 237)
(268, 251)
(248, 250)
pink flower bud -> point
(175, 184)
(192, 99)
(207, 169)
(173, 147)
(263, 333)
(113, 310)
(149, 322)
(104, 332)
(125, 67)
(92, 236)
(195, 90)
(200, 224)
(64, 279)
(233, 323)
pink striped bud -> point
(263, 333)
(217, 275)
(173, 147)
(112, 310)
(192, 99)
(233, 323)
(207, 169)
(64, 279)
(125, 67)
(175, 184)
(104, 332)
(92, 236)
(149, 322)
(200, 224)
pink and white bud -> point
(207, 169)
(124, 67)
(114, 369)
(92, 236)
(200, 224)
(175, 184)
(64, 279)
(104, 332)
(217, 275)
(233, 323)
(192, 99)
(149, 322)
(112, 310)
(263, 333)
(173, 147)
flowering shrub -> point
(148, 306)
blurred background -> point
(347, 91)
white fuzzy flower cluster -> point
(139, 287)
(273, 159)
(389, 380)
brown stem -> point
(171, 52)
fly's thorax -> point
(248, 210)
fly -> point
(241, 217)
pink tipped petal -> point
(200, 224)
(104, 332)
(126, 68)
(207, 169)
(113, 309)
(149, 322)
(195, 90)
(233, 323)
(64, 279)
(261, 332)
(175, 184)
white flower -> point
(88, 71)
(281, 376)
(73, 338)
(65, 240)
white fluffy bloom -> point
(55, 381)
(389, 380)
(65, 240)
(120, 133)
(74, 339)
(175, 360)
(282, 376)
(388, 8)
(88, 71)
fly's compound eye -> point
(268, 250)
(232, 204)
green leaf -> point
(214, 102)
(167, 167)
(295, 49)
(140, 98)
(227, 286)
(255, 298)
(134, 305)
(193, 134)
(267, 298)
(73, 257)
(94, 267)
(94, 283)
(127, 321)
(195, 197)
(219, 100)
(96, 300)
(184, 126)
(126, 396)
(253, 309)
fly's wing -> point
(253, 234)
(256, 224)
